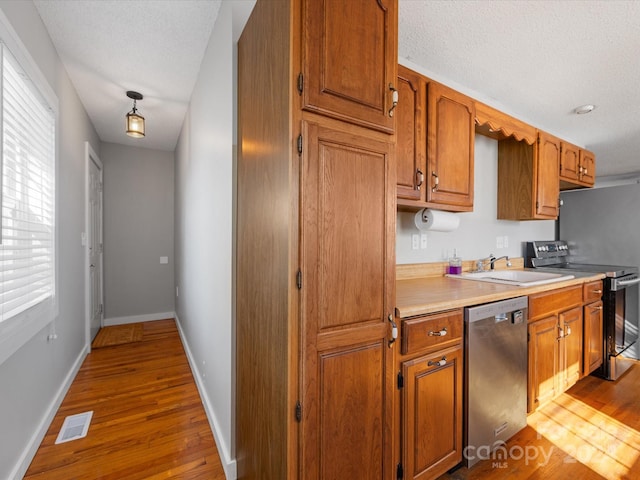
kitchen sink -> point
(521, 278)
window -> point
(27, 205)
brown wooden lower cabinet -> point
(543, 361)
(555, 355)
(571, 347)
(593, 337)
(432, 414)
(555, 343)
(430, 394)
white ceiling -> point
(154, 47)
(536, 60)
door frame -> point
(90, 156)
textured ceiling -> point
(538, 60)
(152, 46)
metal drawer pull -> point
(440, 363)
(599, 292)
(436, 181)
(441, 333)
(599, 307)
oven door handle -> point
(625, 283)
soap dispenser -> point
(455, 264)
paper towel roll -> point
(436, 220)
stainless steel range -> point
(620, 298)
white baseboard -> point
(29, 452)
(149, 317)
(228, 463)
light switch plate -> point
(164, 260)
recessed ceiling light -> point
(584, 109)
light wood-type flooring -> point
(148, 419)
(590, 432)
(149, 423)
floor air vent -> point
(74, 427)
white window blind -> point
(27, 255)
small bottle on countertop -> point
(455, 264)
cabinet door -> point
(593, 337)
(450, 144)
(350, 60)
(348, 261)
(569, 162)
(547, 176)
(432, 414)
(587, 167)
(571, 344)
(543, 361)
(410, 134)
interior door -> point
(96, 309)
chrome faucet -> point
(490, 260)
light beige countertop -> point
(419, 296)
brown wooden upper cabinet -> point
(528, 178)
(577, 167)
(450, 144)
(435, 145)
(350, 60)
(411, 142)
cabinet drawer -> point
(548, 303)
(592, 291)
(431, 332)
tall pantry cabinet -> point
(316, 240)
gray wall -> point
(203, 232)
(138, 230)
(31, 378)
(476, 236)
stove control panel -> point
(549, 251)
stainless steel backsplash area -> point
(476, 237)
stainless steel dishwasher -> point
(495, 400)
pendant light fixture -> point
(135, 121)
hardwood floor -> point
(149, 423)
(148, 419)
(590, 432)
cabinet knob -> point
(436, 181)
(441, 333)
(440, 363)
(568, 332)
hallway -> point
(148, 419)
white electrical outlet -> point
(415, 241)
(499, 242)
(423, 241)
